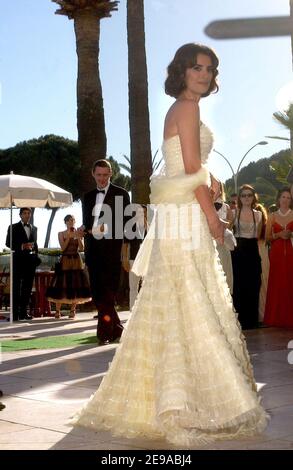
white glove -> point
(229, 240)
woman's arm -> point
(80, 243)
(269, 234)
(230, 217)
(260, 224)
(63, 242)
(187, 121)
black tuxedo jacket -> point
(19, 237)
(113, 214)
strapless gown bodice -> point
(172, 153)
(172, 184)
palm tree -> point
(140, 146)
(86, 15)
(127, 166)
(285, 119)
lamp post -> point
(235, 174)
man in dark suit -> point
(103, 224)
(25, 260)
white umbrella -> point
(26, 191)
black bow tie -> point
(101, 191)
(26, 225)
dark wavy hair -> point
(185, 58)
(68, 217)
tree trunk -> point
(49, 227)
(140, 146)
(90, 111)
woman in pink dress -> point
(279, 302)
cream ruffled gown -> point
(181, 371)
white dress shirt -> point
(97, 210)
(27, 230)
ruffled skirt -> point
(181, 371)
(70, 283)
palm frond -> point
(101, 8)
(157, 164)
(285, 118)
(127, 159)
(125, 167)
(154, 156)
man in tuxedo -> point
(25, 260)
(103, 224)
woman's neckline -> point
(285, 214)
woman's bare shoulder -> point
(183, 110)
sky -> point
(38, 68)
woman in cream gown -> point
(181, 371)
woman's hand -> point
(78, 234)
(217, 228)
(81, 231)
(285, 234)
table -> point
(39, 304)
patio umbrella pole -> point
(11, 264)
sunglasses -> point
(246, 195)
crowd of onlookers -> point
(259, 270)
(258, 264)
